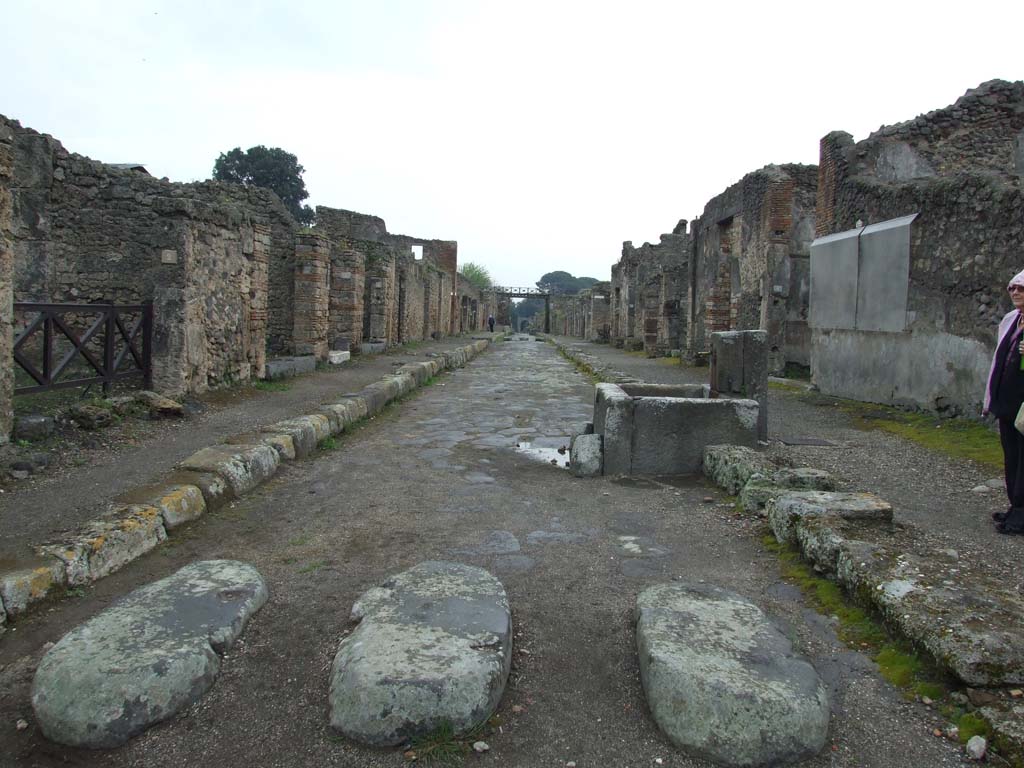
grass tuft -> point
(327, 444)
(271, 386)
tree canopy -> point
(563, 282)
(271, 168)
(477, 274)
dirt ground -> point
(448, 474)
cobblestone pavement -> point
(928, 489)
(439, 476)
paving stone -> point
(722, 682)
(585, 456)
(145, 658)
(759, 489)
(243, 467)
(433, 646)
(784, 511)
(731, 466)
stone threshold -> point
(204, 482)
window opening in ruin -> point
(417, 252)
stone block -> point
(306, 432)
(21, 588)
(433, 647)
(342, 414)
(372, 347)
(107, 545)
(337, 357)
(585, 456)
(731, 466)
(243, 467)
(145, 658)
(723, 683)
(670, 434)
(759, 490)
(33, 427)
(284, 367)
(359, 404)
(215, 489)
(179, 504)
(785, 512)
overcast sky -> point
(540, 135)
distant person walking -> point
(1003, 398)
(490, 322)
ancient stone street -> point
(470, 469)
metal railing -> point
(97, 339)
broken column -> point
(312, 259)
(739, 368)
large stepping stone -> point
(722, 682)
(433, 647)
(145, 658)
(785, 511)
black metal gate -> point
(90, 343)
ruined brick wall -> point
(347, 288)
(648, 289)
(89, 232)
(750, 243)
(6, 281)
(599, 328)
(311, 315)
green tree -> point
(271, 168)
(563, 282)
(477, 274)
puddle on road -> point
(548, 454)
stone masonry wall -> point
(6, 281)
(89, 232)
(347, 287)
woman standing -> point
(1003, 398)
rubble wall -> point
(6, 281)
(959, 169)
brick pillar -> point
(348, 284)
(832, 170)
(258, 293)
(6, 284)
(312, 264)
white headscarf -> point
(1017, 279)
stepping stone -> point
(722, 682)
(433, 647)
(147, 657)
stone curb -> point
(971, 627)
(205, 481)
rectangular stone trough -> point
(651, 429)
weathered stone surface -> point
(784, 511)
(283, 367)
(722, 682)
(433, 645)
(585, 458)
(215, 489)
(33, 427)
(90, 416)
(731, 466)
(970, 620)
(337, 357)
(21, 588)
(306, 432)
(179, 504)
(107, 545)
(160, 406)
(145, 658)
(243, 467)
(759, 490)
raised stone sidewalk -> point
(202, 483)
(968, 619)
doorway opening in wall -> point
(417, 252)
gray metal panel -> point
(833, 301)
(884, 275)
